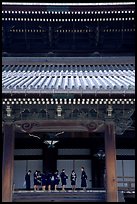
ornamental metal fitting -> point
(100, 154)
(109, 110)
(8, 110)
(59, 111)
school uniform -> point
(73, 178)
(44, 179)
(49, 176)
(83, 179)
(64, 177)
(56, 178)
(27, 179)
(36, 178)
(39, 179)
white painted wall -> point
(19, 173)
(20, 168)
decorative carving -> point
(91, 126)
(122, 124)
(123, 120)
(120, 115)
(82, 115)
(28, 126)
(25, 113)
(74, 113)
(43, 114)
(93, 113)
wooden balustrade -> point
(128, 183)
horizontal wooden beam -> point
(59, 125)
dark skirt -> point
(56, 182)
(64, 182)
(73, 183)
(37, 182)
(49, 182)
(44, 182)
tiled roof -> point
(111, 78)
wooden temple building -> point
(68, 94)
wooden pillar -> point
(7, 162)
(49, 159)
(110, 152)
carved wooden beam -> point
(54, 125)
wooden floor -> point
(68, 196)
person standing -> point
(56, 180)
(64, 177)
(44, 181)
(27, 180)
(36, 180)
(73, 180)
(83, 179)
(49, 182)
(39, 179)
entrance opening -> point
(72, 151)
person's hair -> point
(63, 169)
(82, 167)
(29, 171)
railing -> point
(128, 183)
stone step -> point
(59, 197)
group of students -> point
(46, 180)
(49, 180)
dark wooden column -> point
(7, 162)
(110, 151)
(49, 159)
